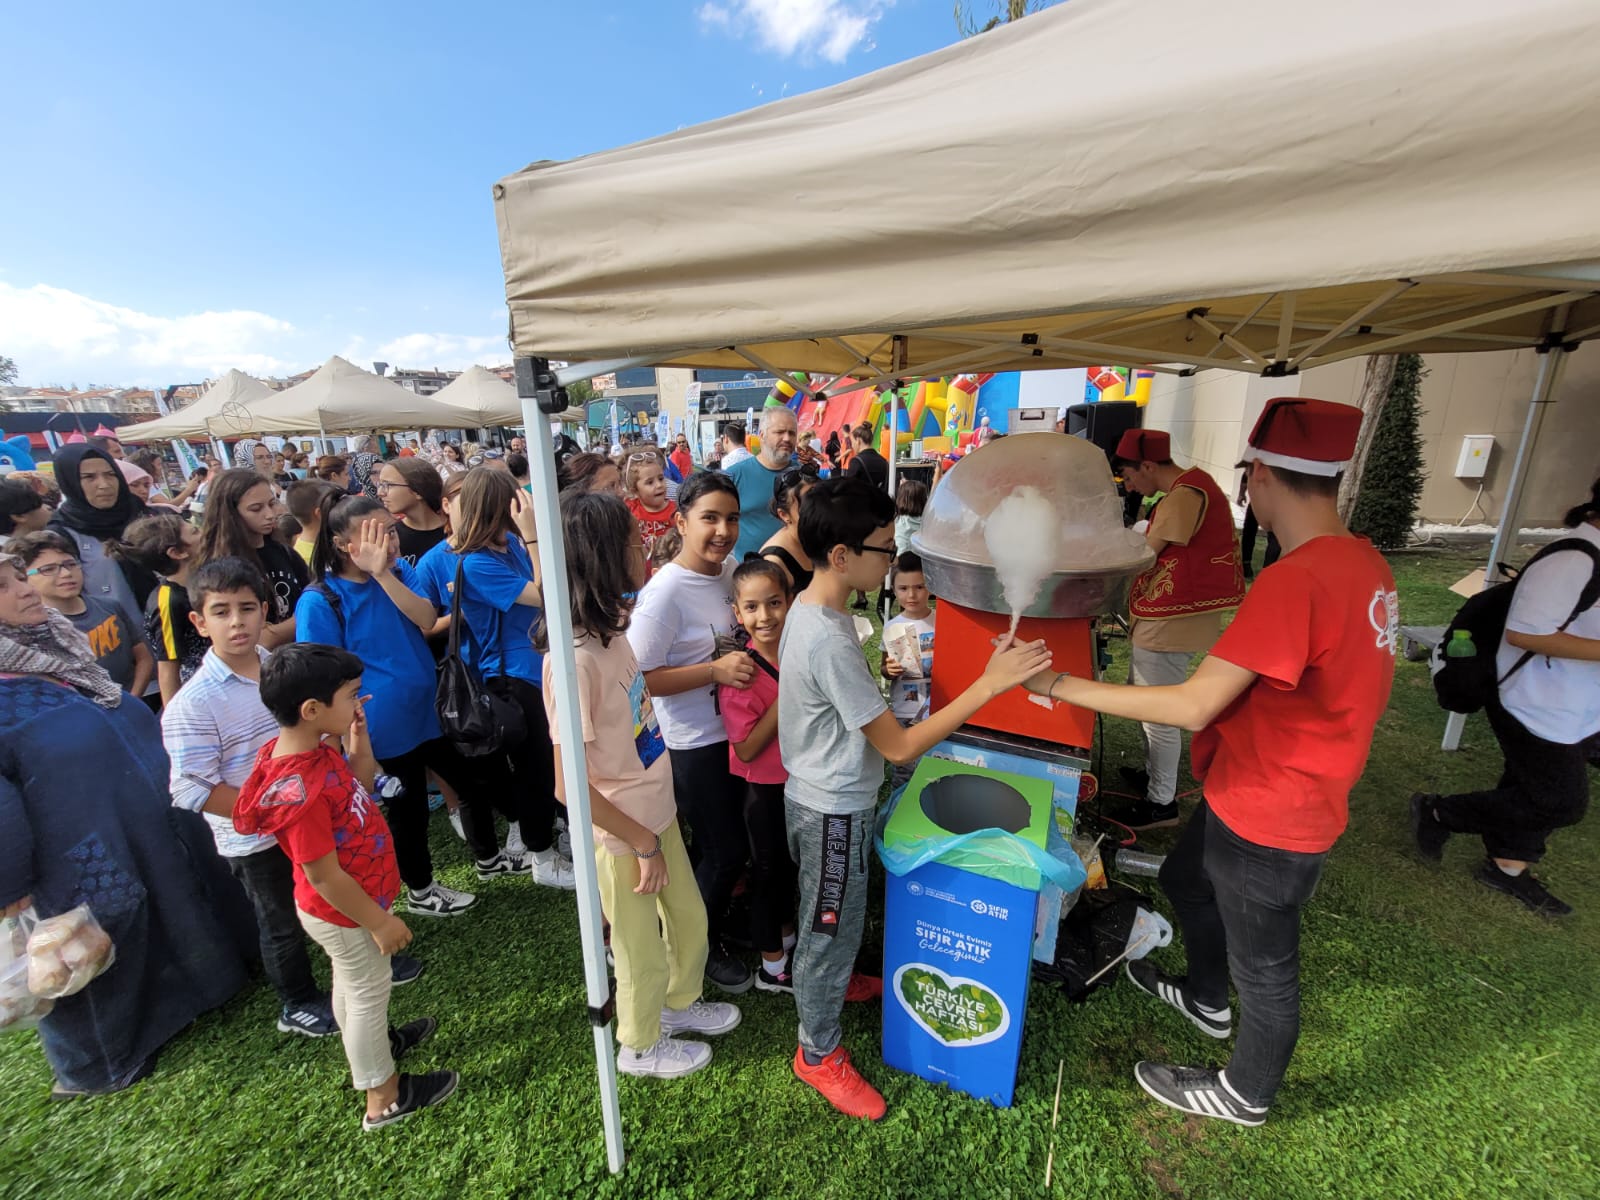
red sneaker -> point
(863, 988)
(841, 1085)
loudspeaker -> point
(1104, 423)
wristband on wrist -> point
(652, 853)
(1059, 677)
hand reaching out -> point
(522, 516)
(1015, 662)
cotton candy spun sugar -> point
(1020, 535)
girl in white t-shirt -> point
(647, 887)
(682, 614)
(1547, 707)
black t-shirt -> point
(169, 631)
(873, 465)
(287, 576)
(414, 543)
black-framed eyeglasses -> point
(794, 476)
(888, 551)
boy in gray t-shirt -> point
(834, 733)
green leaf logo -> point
(955, 1011)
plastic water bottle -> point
(1137, 862)
(1461, 645)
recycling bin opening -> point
(968, 803)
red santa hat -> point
(1144, 445)
(1313, 437)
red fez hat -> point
(1144, 445)
(1313, 437)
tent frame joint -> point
(1278, 368)
(537, 382)
(602, 1016)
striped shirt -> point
(212, 730)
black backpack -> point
(475, 719)
(1465, 685)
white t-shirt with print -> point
(676, 624)
(908, 695)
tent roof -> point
(340, 397)
(481, 398)
(206, 414)
(1231, 185)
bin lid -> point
(945, 798)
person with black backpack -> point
(1544, 706)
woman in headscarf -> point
(86, 818)
(97, 506)
(252, 455)
(364, 466)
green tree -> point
(580, 392)
(1392, 476)
(1006, 11)
(8, 370)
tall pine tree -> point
(1392, 478)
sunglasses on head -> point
(477, 460)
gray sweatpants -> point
(1163, 744)
(831, 853)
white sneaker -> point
(455, 823)
(667, 1059)
(436, 900)
(563, 838)
(703, 1016)
(514, 845)
(551, 870)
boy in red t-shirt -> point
(1282, 710)
(305, 793)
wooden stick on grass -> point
(1055, 1118)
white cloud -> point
(829, 29)
(59, 336)
(449, 351)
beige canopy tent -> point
(218, 405)
(340, 397)
(481, 398)
(1243, 185)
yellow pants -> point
(659, 942)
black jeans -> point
(1544, 787)
(711, 804)
(1247, 543)
(772, 871)
(268, 879)
(408, 812)
(1238, 904)
(531, 792)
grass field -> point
(1450, 1048)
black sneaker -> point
(1523, 887)
(312, 1020)
(1137, 779)
(501, 864)
(781, 982)
(726, 972)
(1142, 816)
(407, 1037)
(404, 969)
(1195, 1090)
(417, 1092)
(1426, 831)
(1169, 989)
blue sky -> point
(191, 187)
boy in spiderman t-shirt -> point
(1282, 709)
(306, 792)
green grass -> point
(1450, 1046)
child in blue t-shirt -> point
(364, 600)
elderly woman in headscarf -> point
(86, 818)
(364, 464)
(96, 507)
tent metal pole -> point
(1401, 342)
(894, 437)
(573, 765)
(604, 366)
(1544, 386)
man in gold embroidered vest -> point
(1177, 605)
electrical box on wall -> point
(1475, 451)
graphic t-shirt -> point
(1319, 629)
(498, 638)
(908, 695)
(414, 543)
(628, 762)
(287, 576)
(169, 630)
(109, 637)
(676, 624)
(652, 524)
(400, 672)
(742, 712)
(315, 806)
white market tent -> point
(1245, 185)
(481, 398)
(233, 393)
(340, 397)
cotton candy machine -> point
(1026, 530)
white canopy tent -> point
(481, 398)
(1243, 185)
(232, 393)
(340, 397)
